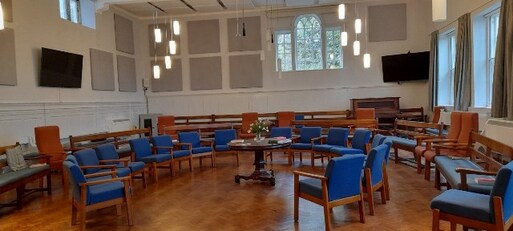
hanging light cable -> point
(172, 42)
(366, 56)
(357, 21)
(167, 58)
(243, 21)
(358, 29)
(2, 26)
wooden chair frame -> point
(174, 160)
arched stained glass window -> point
(308, 36)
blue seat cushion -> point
(136, 166)
(311, 187)
(156, 158)
(343, 150)
(181, 153)
(104, 192)
(201, 150)
(447, 167)
(121, 172)
(464, 204)
(325, 147)
(301, 146)
(222, 148)
(403, 141)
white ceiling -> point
(141, 8)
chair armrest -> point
(463, 175)
(124, 161)
(294, 139)
(94, 182)
(98, 166)
(189, 145)
(320, 138)
(207, 142)
(311, 175)
(111, 173)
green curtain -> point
(463, 69)
(502, 98)
(433, 71)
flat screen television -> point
(60, 69)
(405, 67)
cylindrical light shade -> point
(176, 27)
(356, 48)
(167, 61)
(172, 47)
(1, 17)
(439, 8)
(156, 72)
(343, 38)
(358, 26)
(341, 11)
(366, 60)
(158, 35)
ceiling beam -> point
(103, 5)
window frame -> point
(68, 12)
(321, 31)
(446, 55)
(333, 28)
(490, 62)
(276, 34)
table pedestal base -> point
(260, 173)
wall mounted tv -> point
(60, 69)
(405, 67)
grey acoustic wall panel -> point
(387, 22)
(206, 73)
(203, 36)
(163, 46)
(124, 31)
(7, 58)
(102, 70)
(253, 39)
(170, 80)
(7, 7)
(126, 74)
(245, 71)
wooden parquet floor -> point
(208, 199)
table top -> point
(251, 144)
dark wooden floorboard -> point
(208, 199)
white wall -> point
(306, 90)
(77, 111)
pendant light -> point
(439, 8)
(366, 60)
(2, 26)
(343, 38)
(167, 61)
(172, 47)
(156, 71)
(156, 30)
(176, 27)
(358, 26)
(341, 11)
(167, 58)
(356, 48)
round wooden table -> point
(258, 147)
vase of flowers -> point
(258, 127)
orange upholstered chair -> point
(436, 113)
(285, 118)
(247, 119)
(365, 113)
(48, 141)
(462, 124)
(164, 121)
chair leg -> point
(301, 157)
(213, 159)
(154, 169)
(290, 154)
(82, 217)
(437, 178)
(143, 175)
(128, 201)
(237, 156)
(73, 214)
(453, 226)
(327, 218)
(436, 220)
(368, 187)
(361, 208)
(386, 183)
(383, 194)
(418, 159)
(190, 163)
(172, 167)
(312, 155)
(296, 198)
(396, 154)
(118, 210)
(427, 170)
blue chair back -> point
(281, 131)
(71, 159)
(503, 187)
(388, 142)
(140, 147)
(337, 136)
(299, 117)
(360, 139)
(374, 161)
(162, 141)
(224, 136)
(377, 140)
(76, 177)
(344, 176)
(190, 137)
(106, 152)
(87, 157)
(307, 133)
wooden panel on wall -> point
(203, 36)
(126, 74)
(251, 42)
(170, 80)
(245, 71)
(206, 73)
(164, 45)
(7, 58)
(102, 70)
(7, 7)
(124, 32)
(387, 22)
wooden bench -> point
(343, 123)
(18, 179)
(461, 173)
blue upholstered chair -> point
(341, 184)
(163, 144)
(373, 175)
(143, 152)
(337, 138)
(90, 195)
(307, 137)
(279, 132)
(475, 210)
(199, 148)
(107, 154)
(377, 140)
(221, 139)
(388, 142)
(89, 162)
(299, 117)
(359, 144)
